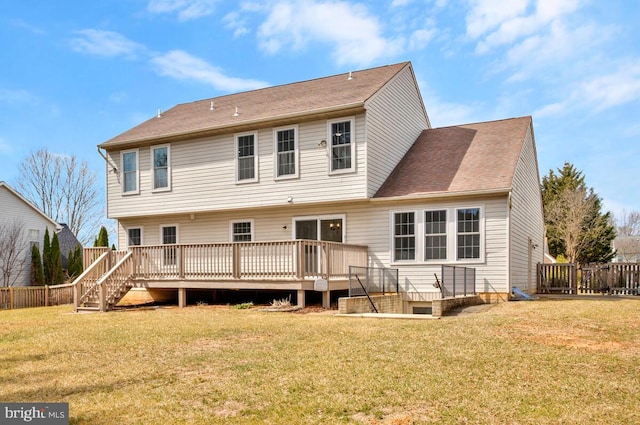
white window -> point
(404, 236)
(286, 152)
(134, 236)
(443, 235)
(468, 232)
(435, 229)
(169, 235)
(130, 174)
(242, 231)
(161, 168)
(341, 145)
(246, 157)
(34, 238)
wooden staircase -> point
(103, 284)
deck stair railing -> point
(90, 285)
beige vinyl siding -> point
(203, 176)
(395, 119)
(15, 210)
(365, 223)
(527, 219)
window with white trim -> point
(341, 145)
(130, 175)
(242, 231)
(161, 171)
(134, 236)
(169, 236)
(442, 235)
(246, 158)
(468, 233)
(435, 229)
(404, 236)
(286, 148)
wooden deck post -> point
(301, 299)
(182, 297)
(326, 299)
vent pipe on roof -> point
(211, 108)
(159, 113)
(236, 113)
(350, 76)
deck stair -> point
(101, 286)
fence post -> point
(46, 295)
(11, 298)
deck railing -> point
(271, 260)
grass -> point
(569, 361)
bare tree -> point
(628, 224)
(64, 189)
(572, 216)
(13, 252)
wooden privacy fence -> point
(610, 278)
(35, 296)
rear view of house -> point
(286, 187)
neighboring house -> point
(349, 160)
(68, 242)
(15, 210)
(627, 249)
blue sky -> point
(74, 74)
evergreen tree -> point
(37, 275)
(102, 239)
(57, 273)
(46, 258)
(576, 227)
(74, 262)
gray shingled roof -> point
(263, 105)
(464, 158)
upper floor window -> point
(134, 236)
(130, 173)
(246, 159)
(341, 146)
(286, 148)
(404, 236)
(468, 221)
(435, 244)
(242, 231)
(161, 171)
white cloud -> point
(17, 96)
(614, 89)
(185, 9)
(600, 92)
(5, 148)
(353, 32)
(496, 23)
(105, 43)
(183, 66)
(237, 23)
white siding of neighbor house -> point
(365, 223)
(203, 176)
(15, 210)
(395, 118)
(527, 221)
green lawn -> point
(569, 361)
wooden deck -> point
(275, 265)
